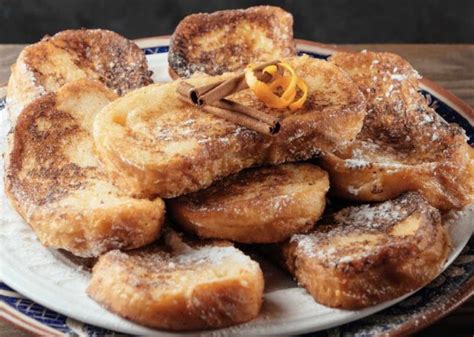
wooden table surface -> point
(451, 66)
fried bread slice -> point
(155, 144)
(56, 184)
(261, 205)
(70, 55)
(228, 40)
(404, 144)
(178, 284)
(368, 254)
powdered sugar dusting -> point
(184, 253)
(353, 190)
(15, 102)
(357, 163)
(366, 227)
(212, 254)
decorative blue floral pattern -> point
(156, 50)
(418, 306)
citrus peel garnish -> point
(289, 84)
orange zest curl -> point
(290, 84)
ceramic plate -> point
(44, 292)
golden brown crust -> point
(229, 40)
(74, 54)
(179, 285)
(157, 145)
(55, 182)
(365, 255)
(404, 145)
(172, 73)
(262, 205)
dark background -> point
(336, 21)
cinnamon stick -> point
(236, 117)
(248, 111)
(209, 93)
(232, 85)
(185, 88)
(194, 93)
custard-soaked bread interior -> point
(228, 40)
(260, 205)
(368, 254)
(70, 55)
(178, 284)
(155, 144)
(404, 144)
(56, 184)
